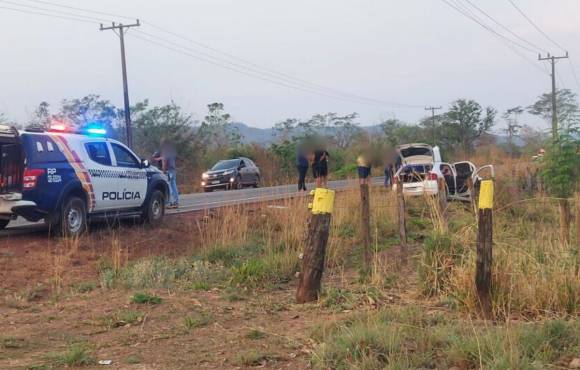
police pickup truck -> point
(69, 178)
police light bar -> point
(58, 127)
(96, 131)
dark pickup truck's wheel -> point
(73, 218)
(257, 183)
(155, 209)
(3, 224)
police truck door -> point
(135, 178)
(102, 174)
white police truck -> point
(70, 178)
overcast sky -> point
(417, 52)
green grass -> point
(145, 298)
(12, 343)
(133, 359)
(196, 320)
(255, 334)
(121, 318)
(77, 354)
(440, 254)
(86, 287)
(252, 358)
(337, 299)
(412, 338)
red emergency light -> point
(59, 126)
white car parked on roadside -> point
(421, 168)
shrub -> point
(413, 338)
(77, 354)
(145, 298)
(440, 254)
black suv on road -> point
(231, 174)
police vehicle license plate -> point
(215, 182)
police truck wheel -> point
(73, 218)
(155, 208)
(257, 183)
(3, 224)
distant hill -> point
(254, 135)
(266, 136)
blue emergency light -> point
(96, 131)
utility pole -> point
(433, 109)
(552, 60)
(121, 27)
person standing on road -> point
(167, 157)
(302, 166)
(320, 167)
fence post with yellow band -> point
(310, 278)
(484, 260)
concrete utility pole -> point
(121, 27)
(433, 109)
(552, 60)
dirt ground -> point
(50, 298)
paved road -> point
(216, 199)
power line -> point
(488, 28)
(245, 72)
(470, 15)
(574, 74)
(255, 68)
(56, 12)
(46, 14)
(554, 42)
(277, 76)
(121, 27)
(552, 59)
(504, 27)
(81, 9)
(536, 26)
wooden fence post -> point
(309, 284)
(484, 260)
(402, 224)
(366, 225)
(443, 200)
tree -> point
(566, 106)
(153, 124)
(561, 169)
(512, 125)
(217, 129)
(345, 129)
(41, 116)
(465, 122)
(91, 109)
(286, 129)
(397, 132)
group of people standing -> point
(318, 160)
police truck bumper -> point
(12, 206)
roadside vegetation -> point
(217, 288)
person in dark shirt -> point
(167, 157)
(302, 166)
(320, 167)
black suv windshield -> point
(226, 165)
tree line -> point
(465, 125)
